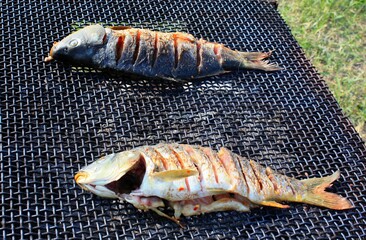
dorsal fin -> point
(216, 191)
(119, 27)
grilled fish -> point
(194, 180)
(153, 54)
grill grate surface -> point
(55, 119)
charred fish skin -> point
(153, 54)
(195, 180)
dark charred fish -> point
(153, 54)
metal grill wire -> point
(56, 119)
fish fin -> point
(273, 204)
(171, 175)
(167, 216)
(254, 60)
(215, 191)
(316, 195)
(256, 56)
(119, 27)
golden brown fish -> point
(153, 54)
(194, 180)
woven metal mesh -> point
(56, 119)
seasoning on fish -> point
(194, 180)
(153, 54)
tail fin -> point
(254, 60)
(256, 56)
(316, 195)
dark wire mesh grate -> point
(55, 119)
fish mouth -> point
(49, 58)
(131, 180)
(80, 177)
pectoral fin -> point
(216, 191)
(167, 216)
(171, 175)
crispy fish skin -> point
(153, 54)
(195, 180)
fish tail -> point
(249, 60)
(255, 56)
(255, 60)
(315, 194)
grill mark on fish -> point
(290, 185)
(119, 47)
(203, 152)
(155, 50)
(215, 155)
(172, 158)
(200, 175)
(191, 152)
(137, 47)
(252, 165)
(243, 171)
(207, 152)
(176, 56)
(184, 37)
(271, 179)
(221, 158)
(162, 158)
(105, 38)
(177, 38)
(217, 51)
(198, 56)
(223, 164)
(154, 158)
(181, 162)
(177, 155)
(187, 184)
(226, 159)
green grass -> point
(333, 36)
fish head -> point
(79, 47)
(113, 175)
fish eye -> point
(74, 42)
